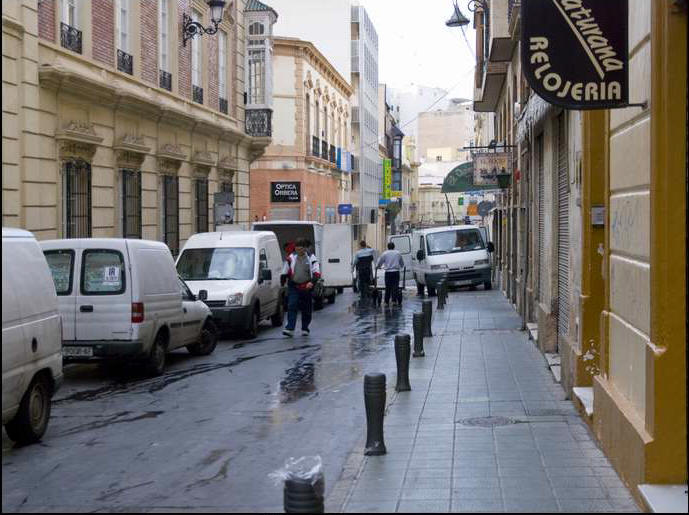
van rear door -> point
(63, 265)
(403, 246)
(336, 261)
(104, 298)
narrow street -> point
(206, 434)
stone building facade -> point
(114, 126)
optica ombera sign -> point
(575, 52)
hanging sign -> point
(575, 52)
(387, 179)
(488, 165)
(285, 192)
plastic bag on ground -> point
(304, 470)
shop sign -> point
(396, 194)
(387, 179)
(344, 209)
(285, 191)
(575, 52)
(487, 166)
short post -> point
(402, 353)
(374, 398)
(304, 495)
(418, 323)
(427, 309)
(441, 297)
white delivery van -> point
(241, 273)
(332, 244)
(457, 252)
(120, 299)
(31, 338)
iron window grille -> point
(131, 204)
(171, 212)
(315, 150)
(77, 187)
(198, 94)
(222, 104)
(202, 205)
(125, 62)
(258, 122)
(324, 149)
(165, 80)
(70, 37)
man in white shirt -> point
(391, 261)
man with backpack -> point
(302, 271)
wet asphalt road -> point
(207, 433)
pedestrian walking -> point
(301, 270)
(391, 261)
(363, 264)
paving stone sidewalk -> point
(484, 429)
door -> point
(62, 265)
(562, 230)
(104, 302)
(336, 262)
(191, 320)
(265, 287)
(403, 246)
(541, 219)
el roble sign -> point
(575, 52)
(285, 192)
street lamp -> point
(191, 28)
(459, 20)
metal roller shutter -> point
(541, 217)
(562, 229)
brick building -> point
(310, 153)
(115, 125)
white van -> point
(240, 270)
(332, 244)
(457, 252)
(121, 299)
(31, 338)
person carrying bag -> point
(303, 273)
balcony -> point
(333, 154)
(486, 98)
(197, 94)
(315, 147)
(70, 38)
(514, 18)
(165, 80)
(125, 62)
(324, 150)
(222, 105)
(258, 122)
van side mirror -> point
(203, 295)
(491, 247)
(420, 255)
(266, 274)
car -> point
(31, 338)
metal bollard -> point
(441, 296)
(374, 398)
(304, 495)
(418, 323)
(402, 353)
(427, 309)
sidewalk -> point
(485, 428)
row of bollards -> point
(302, 496)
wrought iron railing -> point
(315, 147)
(258, 122)
(197, 94)
(222, 105)
(333, 154)
(165, 80)
(125, 62)
(324, 150)
(70, 38)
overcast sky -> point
(415, 46)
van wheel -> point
(252, 330)
(156, 360)
(31, 421)
(208, 339)
(279, 317)
(318, 303)
(331, 299)
(340, 290)
(488, 285)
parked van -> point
(121, 299)
(332, 244)
(241, 273)
(31, 338)
(457, 252)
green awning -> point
(461, 179)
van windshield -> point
(461, 240)
(216, 264)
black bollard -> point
(441, 297)
(427, 308)
(304, 495)
(418, 322)
(402, 352)
(374, 398)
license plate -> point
(464, 283)
(77, 352)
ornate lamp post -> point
(191, 28)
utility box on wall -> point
(223, 208)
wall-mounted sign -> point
(461, 179)
(575, 52)
(285, 192)
(396, 194)
(344, 209)
(488, 165)
(387, 179)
